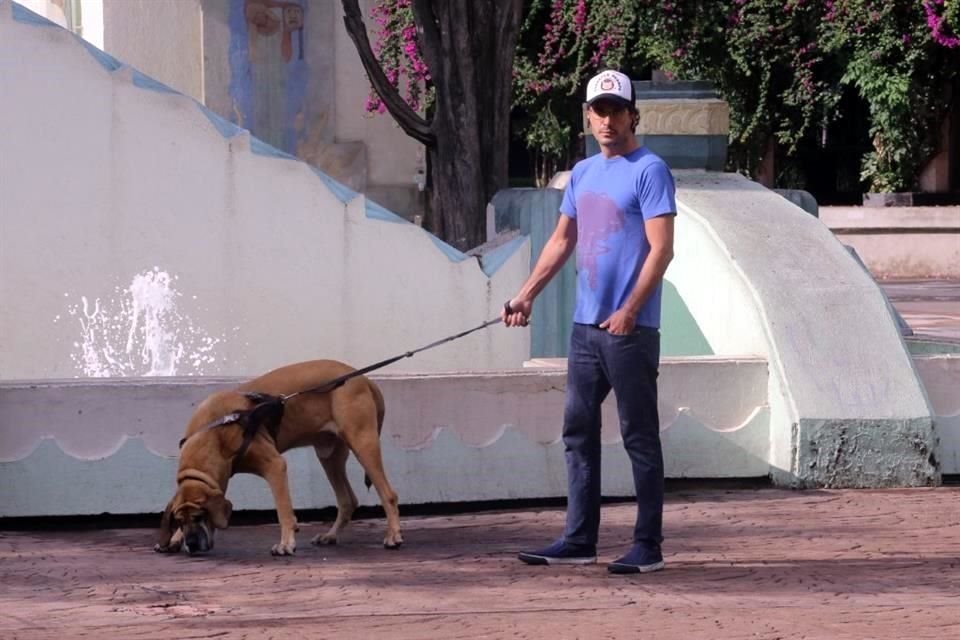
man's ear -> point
(166, 526)
(219, 509)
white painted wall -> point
(91, 12)
(268, 264)
(394, 157)
(900, 242)
(446, 438)
(162, 39)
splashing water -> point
(140, 332)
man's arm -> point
(660, 236)
(554, 255)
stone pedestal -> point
(685, 123)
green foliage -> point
(398, 51)
(782, 66)
(762, 55)
(765, 59)
(887, 53)
(562, 43)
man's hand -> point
(516, 313)
(621, 323)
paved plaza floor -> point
(745, 564)
(930, 307)
(741, 564)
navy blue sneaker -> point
(640, 559)
(561, 552)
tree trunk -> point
(469, 47)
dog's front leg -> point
(173, 546)
(275, 473)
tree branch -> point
(408, 119)
(426, 22)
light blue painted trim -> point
(22, 14)
(133, 479)
(376, 211)
(106, 60)
(341, 191)
(454, 254)
(492, 261)
(489, 263)
(226, 128)
(25, 16)
(261, 148)
(48, 468)
(144, 81)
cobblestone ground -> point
(740, 564)
(930, 307)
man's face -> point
(611, 122)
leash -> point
(337, 382)
(268, 410)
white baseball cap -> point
(611, 85)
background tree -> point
(849, 95)
(782, 65)
(762, 55)
(463, 51)
(562, 44)
(903, 59)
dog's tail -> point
(381, 412)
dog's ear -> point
(166, 526)
(219, 509)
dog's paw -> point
(324, 539)
(282, 549)
(393, 541)
(170, 548)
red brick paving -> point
(750, 564)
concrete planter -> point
(910, 199)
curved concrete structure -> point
(764, 277)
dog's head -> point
(197, 510)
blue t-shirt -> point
(610, 200)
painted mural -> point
(268, 70)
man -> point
(618, 213)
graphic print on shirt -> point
(597, 220)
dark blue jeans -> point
(599, 362)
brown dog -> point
(348, 418)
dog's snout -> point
(197, 543)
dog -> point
(217, 444)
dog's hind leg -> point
(365, 444)
(335, 465)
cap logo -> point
(612, 84)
